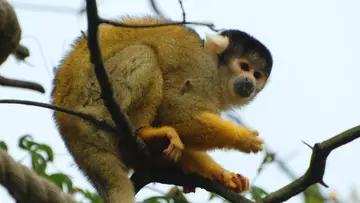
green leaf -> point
(38, 163)
(24, 142)
(62, 180)
(3, 146)
(257, 193)
(156, 199)
(269, 157)
(212, 195)
(49, 152)
(93, 197)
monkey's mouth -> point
(244, 86)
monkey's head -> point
(244, 65)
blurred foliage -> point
(41, 155)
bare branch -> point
(21, 52)
(21, 84)
(316, 169)
(100, 124)
(120, 24)
(183, 11)
(156, 8)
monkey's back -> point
(179, 51)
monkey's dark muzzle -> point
(244, 86)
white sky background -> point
(311, 97)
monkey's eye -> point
(257, 74)
(244, 66)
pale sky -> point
(311, 96)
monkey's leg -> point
(200, 162)
(138, 83)
(209, 131)
(97, 154)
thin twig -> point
(156, 8)
(120, 24)
(183, 11)
(101, 124)
(21, 84)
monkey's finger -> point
(167, 151)
(175, 140)
(176, 154)
(172, 153)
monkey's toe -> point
(233, 181)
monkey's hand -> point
(249, 140)
(233, 181)
(175, 148)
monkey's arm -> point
(206, 131)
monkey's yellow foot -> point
(233, 181)
(175, 148)
(187, 189)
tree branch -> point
(100, 124)
(21, 84)
(117, 114)
(316, 169)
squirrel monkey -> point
(171, 86)
(244, 66)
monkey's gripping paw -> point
(175, 148)
(251, 142)
(233, 181)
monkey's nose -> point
(244, 86)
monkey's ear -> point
(216, 43)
